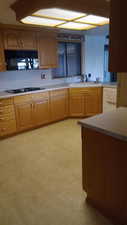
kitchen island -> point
(104, 163)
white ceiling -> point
(7, 15)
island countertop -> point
(113, 123)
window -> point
(69, 59)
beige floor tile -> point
(40, 178)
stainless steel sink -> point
(84, 84)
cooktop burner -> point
(22, 90)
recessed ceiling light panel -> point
(59, 14)
(91, 19)
(67, 19)
(41, 21)
(76, 26)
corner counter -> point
(104, 163)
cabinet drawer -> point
(63, 92)
(7, 128)
(42, 95)
(22, 99)
(6, 101)
(7, 117)
(6, 109)
(85, 90)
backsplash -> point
(19, 79)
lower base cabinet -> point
(24, 116)
(59, 104)
(109, 99)
(93, 102)
(41, 109)
(7, 117)
(28, 111)
(7, 128)
(84, 102)
(32, 110)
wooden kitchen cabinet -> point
(7, 117)
(118, 36)
(47, 52)
(23, 109)
(2, 58)
(41, 108)
(85, 101)
(24, 115)
(28, 40)
(12, 39)
(32, 110)
(109, 98)
(59, 104)
(76, 105)
(19, 40)
(93, 101)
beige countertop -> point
(4, 94)
(113, 123)
(110, 85)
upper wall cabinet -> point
(47, 52)
(118, 36)
(2, 59)
(28, 40)
(18, 39)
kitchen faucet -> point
(84, 78)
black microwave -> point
(21, 59)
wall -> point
(95, 39)
(94, 56)
(19, 79)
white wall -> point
(94, 56)
(95, 39)
(19, 79)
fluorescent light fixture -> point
(57, 13)
(76, 26)
(41, 21)
(66, 19)
(91, 19)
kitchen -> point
(59, 94)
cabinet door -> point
(24, 115)
(59, 104)
(12, 39)
(28, 40)
(77, 106)
(93, 101)
(41, 112)
(47, 52)
(7, 117)
(2, 58)
(109, 99)
(76, 102)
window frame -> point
(66, 75)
